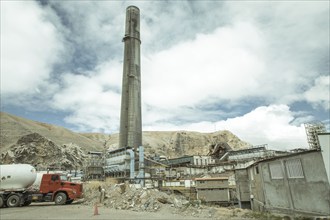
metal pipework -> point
(141, 164)
(132, 164)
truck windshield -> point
(63, 177)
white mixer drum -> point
(16, 176)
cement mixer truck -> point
(20, 185)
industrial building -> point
(94, 165)
(195, 160)
(216, 190)
(297, 183)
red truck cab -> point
(52, 188)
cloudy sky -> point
(257, 68)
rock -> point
(163, 200)
(177, 203)
(176, 143)
(153, 200)
(43, 153)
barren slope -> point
(176, 143)
(13, 127)
(168, 143)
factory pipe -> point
(132, 163)
(141, 165)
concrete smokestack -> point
(130, 116)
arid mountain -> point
(176, 143)
(171, 143)
(13, 127)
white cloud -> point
(218, 65)
(268, 125)
(93, 99)
(262, 54)
(195, 55)
(264, 125)
(319, 94)
(93, 30)
(29, 47)
(297, 38)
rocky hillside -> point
(13, 127)
(43, 153)
(176, 143)
(28, 141)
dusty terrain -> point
(176, 143)
(124, 201)
(27, 141)
(13, 128)
(79, 211)
(133, 198)
(42, 153)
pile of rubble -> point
(42, 152)
(130, 196)
(133, 197)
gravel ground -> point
(80, 211)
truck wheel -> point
(1, 202)
(27, 202)
(13, 201)
(69, 201)
(60, 198)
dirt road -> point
(78, 211)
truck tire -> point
(27, 202)
(1, 202)
(60, 198)
(69, 201)
(13, 200)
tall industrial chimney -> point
(130, 116)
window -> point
(276, 170)
(294, 168)
(54, 177)
(196, 161)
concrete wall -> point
(192, 170)
(324, 140)
(216, 195)
(256, 188)
(242, 185)
(202, 160)
(212, 184)
(173, 183)
(213, 189)
(221, 168)
(305, 191)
